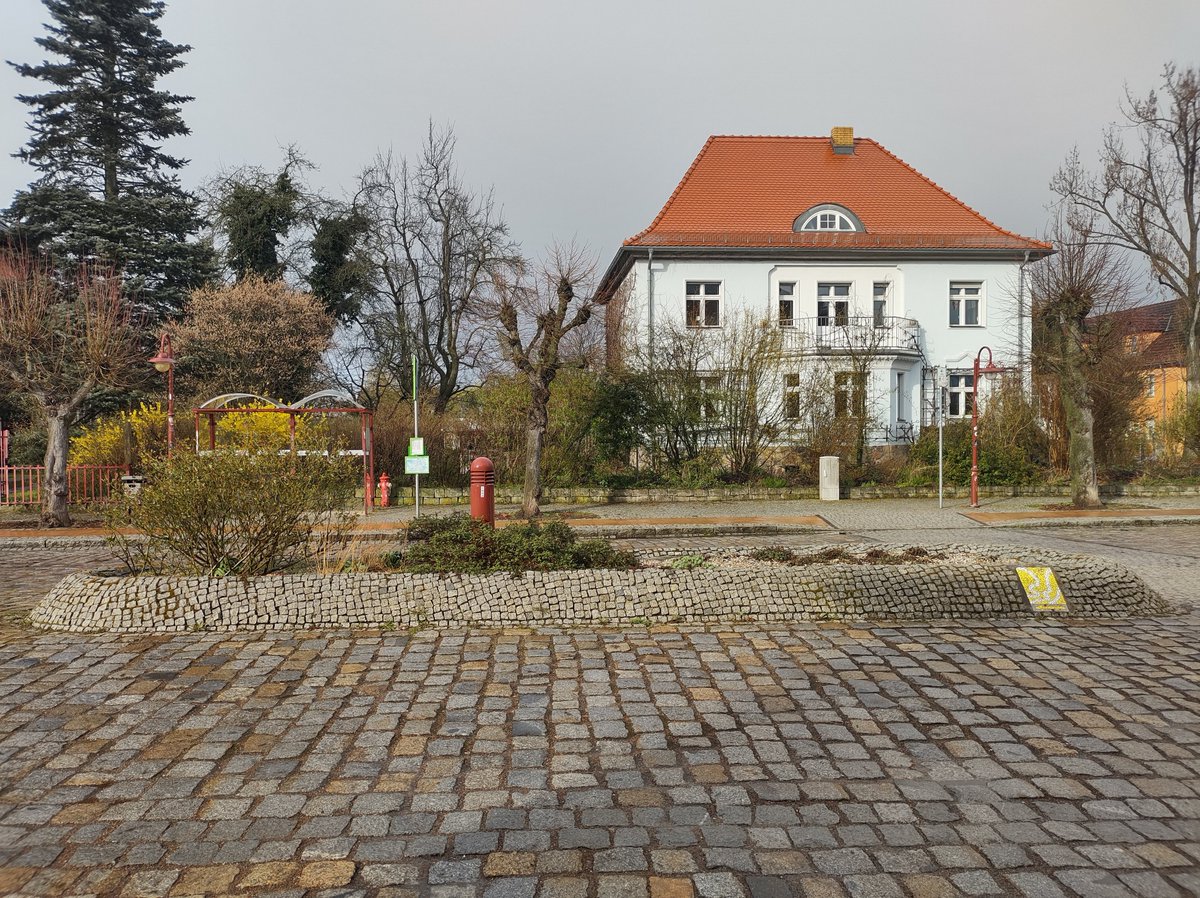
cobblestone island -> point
(968, 582)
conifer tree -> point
(107, 192)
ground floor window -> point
(791, 396)
(850, 394)
(960, 396)
(710, 390)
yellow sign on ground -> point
(1041, 588)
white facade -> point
(913, 339)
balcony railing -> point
(853, 333)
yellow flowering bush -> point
(264, 431)
(137, 434)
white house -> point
(845, 248)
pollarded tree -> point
(255, 336)
(107, 192)
(1084, 278)
(538, 317)
(61, 339)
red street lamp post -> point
(990, 368)
(165, 361)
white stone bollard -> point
(831, 482)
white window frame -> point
(709, 395)
(791, 396)
(1151, 385)
(960, 385)
(850, 393)
(703, 297)
(786, 293)
(881, 294)
(959, 300)
(832, 318)
(837, 221)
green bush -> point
(1013, 448)
(1182, 427)
(459, 545)
(243, 514)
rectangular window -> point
(901, 398)
(961, 396)
(1151, 385)
(791, 396)
(850, 394)
(787, 304)
(879, 300)
(833, 305)
(703, 303)
(710, 391)
(966, 299)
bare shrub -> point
(235, 514)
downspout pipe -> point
(650, 306)
(1021, 319)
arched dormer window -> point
(828, 217)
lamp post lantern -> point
(990, 368)
(165, 361)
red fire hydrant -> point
(385, 490)
(483, 490)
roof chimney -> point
(842, 140)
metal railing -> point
(852, 333)
(22, 484)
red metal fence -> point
(22, 484)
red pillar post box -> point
(483, 490)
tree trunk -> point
(1077, 410)
(54, 482)
(535, 441)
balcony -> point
(836, 334)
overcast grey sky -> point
(583, 116)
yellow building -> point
(1153, 337)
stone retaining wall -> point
(511, 495)
(972, 587)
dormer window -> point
(828, 217)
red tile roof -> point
(748, 191)
(1160, 328)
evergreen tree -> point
(106, 190)
(339, 277)
(255, 211)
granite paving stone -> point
(957, 757)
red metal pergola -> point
(219, 405)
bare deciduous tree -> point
(679, 388)
(538, 315)
(1085, 277)
(61, 340)
(1146, 198)
(434, 248)
(749, 359)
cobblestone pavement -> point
(959, 759)
(969, 759)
